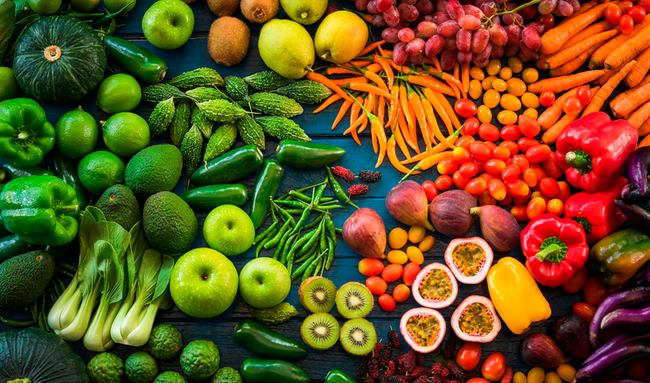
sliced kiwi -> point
(354, 300)
(358, 336)
(317, 294)
(320, 331)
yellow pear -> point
(340, 37)
(286, 47)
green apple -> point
(203, 283)
(265, 282)
(229, 229)
(168, 24)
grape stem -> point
(519, 8)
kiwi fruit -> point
(317, 294)
(354, 300)
(223, 7)
(228, 40)
(259, 11)
(320, 331)
(358, 336)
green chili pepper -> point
(338, 189)
(311, 267)
(137, 60)
(303, 219)
(338, 376)
(298, 272)
(286, 195)
(272, 371)
(319, 266)
(283, 213)
(286, 247)
(211, 196)
(294, 211)
(331, 229)
(314, 222)
(328, 207)
(278, 250)
(110, 16)
(307, 155)
(12, 245)
(339, 231)
(16, 323)
(293, 204)
(299, 196)
(230, 166)
(313, 240)
(266, 186)
(266, 232)
(67, 171)
(307, 255)
(322, 241)
(266, 342)
(331, 247)
(319, 193)
(277, 237)
(17, 172)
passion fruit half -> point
(475, 320)
(469, 259)
(435, 286)
(423, 329)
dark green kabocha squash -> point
(40, 357)
(58, 59)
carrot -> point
(370, 47)
(645, 128)
(591, 30)
(575, 50)
(330, 100)
(646, 80)
(623, 104)
(645, 141)
(598, 58)
(368, 88)
(344, 108)
(541, 62)
(430, 95)
(553, 39)
(431, 83)
(610, 72)
(392, 156)
(639, 116)
(328, 83)
(562, 83)
(465, 77)
(639, 71)
(403, 126)
(554, 112)
(339, 70)
(574, 64)
(623, 52)
(346, 81)
(551, 135)
(449, 109)
(598, 99)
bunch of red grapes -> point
(458, 32)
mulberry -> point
(456, 371)
(435, 379)
(373, 368)
(368, 379)
(344, 173)
(420, 371)
(449, 350)
(394, 339)
(391, 367)
(385, 355)
(395, 379)
(507, 377)
(445, 373)
(369, 176)
(357, 189)
(362, 368)
(406, 362)
(419, 359)
(421, 379)
(376, 350)
(436, 369)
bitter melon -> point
(161, 116)
(220, 142)
(221, 110)
(161, 92)
(181, 122)
(202, 94)
(267, 81)
(274, 315)
(251, 132)
(306, 91)
(236, 87)
(282, 128)
(191, 150)
(196, 78)
(274, 104)
(204, 124)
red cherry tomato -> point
(478, 380)
(465, 141)
(584, 311)
(443, 183)
(461, 155)
(510, 133)
(392, 272)
(468, 170)
(430, 190)
(494, 367)
(548, 98)
(549, 187)
(637, 13)
(613, 14)
(584, 94)
(645, 4)
(626, 24)
(538, 153)
(471, 127)
(526, 143)
(411, 270)
(469, 356)
(572, 105)
(480, 150)
(465, 108)
(529, 126)
(594, 291)
(577, 281)
(387, 303)
(549, 20)
(501, 153)
(488, 132)
(459, 181)
(376, 285)
(625, 6)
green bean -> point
(278, 236)
(338, 189)
(315, 222)
(297, 272)
(286, 247)
(331, 251)
(311, 267)
(265, 233)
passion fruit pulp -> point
(435, 286)
(469, 259)
(475, 320)
(423, 329)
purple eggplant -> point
(615, 379)
(639, 163)
(639, 216)
(634, 320)
(619, 339)
(618, 300)
(617, 357)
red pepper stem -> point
(552, 250)
(579, 160)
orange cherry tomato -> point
(530, 177)
(535, 208)
(488, 132)
(386, 302)
(529, 126)
(519, 212)
(392, 272)
(572, 105)
(476, 186)
(539, 171)
(447, 166)
(549, 187)
(585, 311)
(411, 270)
(521, 162)
(443, 183)
(465, 141)
(459, 181)
(555, 206)
(469, 356)
(501, 153)
(494, 166)
(465, 108)
(626, 24)
(376, 285)
(577, 281)
(370, 267)
(461, 155)
(594, 291)
(583, 94)
(511, 146)
(548, 98)
(494, 367)
(518, 189)
(401, 293)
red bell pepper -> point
(597, 211)
(592, 150)
(555, 249)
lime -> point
(85, 5)
(116, 5)
(125, 133)
(100, 170)
(118, 93)
(45, 7)
(8, 83)
(76, 133)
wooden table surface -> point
(219, 329)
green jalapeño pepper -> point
(266, 186)
(211, 196)
(338, 376)
(136, 59)
(307, 155)
(25, 134)
(230, 166)
(272, 371)
(41, 210)
(16, 172)
(617, 257)
(266, 342)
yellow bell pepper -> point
(516, 296)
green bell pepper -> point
(338, 376)
(41, 210)
(307, 155)
(617, 257)
(272, 371)
(25, 134)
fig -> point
(540, 350)
(365, 233)
(469, 259)
(423, 329)
(476, 320)
(449, 213)
(435, 286)
(500, 228)
(571, 333)
(407, 203)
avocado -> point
(169, 223)
(118, 203)
(154, 169)
(23, 278)
(141, 368)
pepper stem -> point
(66, 209)
(22, 136)
(579, 160)
(552, 250)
